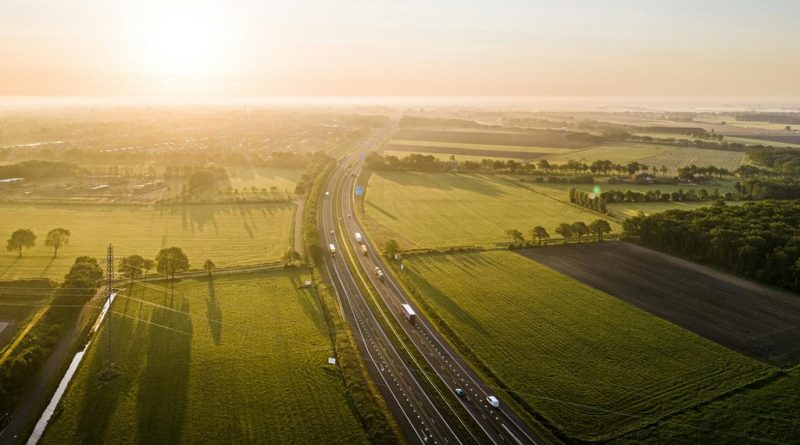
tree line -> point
(759, 240)
(20, 368)
(569, 232)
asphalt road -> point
(417, 414)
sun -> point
(184, 43)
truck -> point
(359, 238)
(363, 249)
(332, 249)
(409, 313)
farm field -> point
(759, 414)
(240, 359)
(264, 177)
(481, 147)
(446, 156)
(752, 319)
(532, 138)
(655, 155)
(228, 234)
(430, 210)
(591, 364)
(628, 209)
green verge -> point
(364, 397)
(592, 365)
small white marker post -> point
(331, 360)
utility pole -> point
(109, 371)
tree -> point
(291, 257)
(514, 236)
(565, 230)
(539, 233)
(147, 265)
(209, 267)
(788, 128)
(21, 238)
(131, 266)
(579, 229)
(170, 261)
(57, 238)
(600, 227)
(392, 248)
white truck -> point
(332, 249)
(359, 238)
(409, 313)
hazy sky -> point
(409, 47)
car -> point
(327, 193)
(459, 392)
(492, 400)
(333, 233)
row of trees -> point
(18, 371)
(591, 201)
(759, 240)
(574, 231)
(25, 238)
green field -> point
(592, 365)
(241, 359)
(264, 177)
(445, 209)
(762, 414)
(490, 147)
(655, 155)
(228, 234)
(446, 156)
(628, 209)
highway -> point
(419, 416)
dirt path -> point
(297, 238)
(40, 391)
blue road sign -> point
(359, 191)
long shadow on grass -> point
(380, 209)
(10, 266)
(213, 312)
(102, 396)
(164, 384)
(445, 302)
(446, 181)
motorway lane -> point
(418, 416)
(499, 425)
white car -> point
(492, 400)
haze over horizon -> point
(247, 48)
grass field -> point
(264, 177)
(590, 363)
(228, 234)
(481, 147)
(446, 156)
(239, 360)
(658, 155)
(759, 415)
(438, 210)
